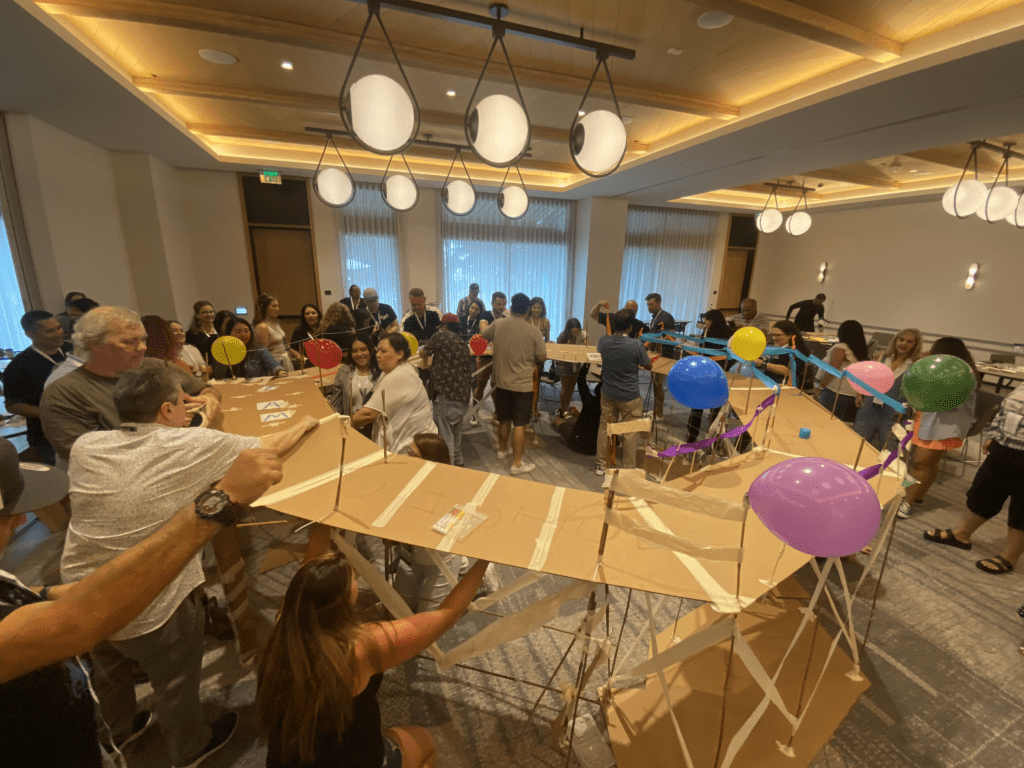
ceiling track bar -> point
(329, 132)
(498, 26)
(774, 186)
(1004, 150)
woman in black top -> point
(203, 330)
(316, 691)
(471, 323)
(304, 331)
(785, 333)
(714, 327)
(338, 325)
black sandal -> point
(997, 565)
(946, 537)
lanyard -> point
(655, 320)
(421, 322)
(55, 362)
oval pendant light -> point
(597, 139)
(332, 185)
(401, 193)
(513, 201)
(458, 195)
(769, 219)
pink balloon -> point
(817, 506)
(323, 353)
(877, 375)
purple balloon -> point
(818, 506)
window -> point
(532, 255)
(369, 245)
(669, 251)
(11, 306)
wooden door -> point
(283, 263)
(735, 282)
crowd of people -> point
(109, 396)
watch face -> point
(211, 504)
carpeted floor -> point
(947, 679)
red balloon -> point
(323, 353)
(478, 344)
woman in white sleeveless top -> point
(269, 332)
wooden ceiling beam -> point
(311, 102)
(803, 22)
(344, 143)
(955, 157)
(167, 14)
(862, 179)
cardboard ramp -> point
(641, 730)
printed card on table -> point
(271, 405)
(267, 418)
(266, 389)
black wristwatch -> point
(215, 505)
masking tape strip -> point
(442, 566)
(631, 485)
(722, 601)
(381, 588)
(670, 541)
(639, 635)
(237, 590)
(681, 651)
(315, 482)
(404, 494)
(757, 671)
(332, 417)
(828, 660)
(883, 533)
(232, 573)
(844, 622)
(547, 531)
(512, 627)
(456, 532)
(628, 427)
(509, 589)
(664, 685)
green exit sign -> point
(268, 176)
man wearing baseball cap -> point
(45, 700)
(384, 317)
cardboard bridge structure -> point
(737, 682)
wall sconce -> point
(822, 270)
(972, 274)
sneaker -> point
(218, 623)
(222, 728)
(473, 422)
(526, 467)
(504, 454)
(904, 511)
(140, 724)
(599, 469)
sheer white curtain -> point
(532, 255)
(669, 251)
(11, 307)
(368, 229)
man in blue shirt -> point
(621, 359)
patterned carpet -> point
(947, 679)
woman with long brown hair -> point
(338, 325)
(269, 332)
(316, 694)
(875, 419)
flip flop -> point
(997, 565)
(946, 537)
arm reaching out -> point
(282, 442)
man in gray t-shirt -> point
(518, 347)
(621, 359)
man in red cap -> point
(451, 378)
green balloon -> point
(938, 383)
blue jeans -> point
(874, 423)
(827, 397)
(448, 416)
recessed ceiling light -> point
(714, 19)
(627, 119)
(449, 93)
(218, 57)
(581, 113)
(912, 170)
(287, 65)
(674, 51)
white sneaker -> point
(523, 469)
(473, 422)
(504, 454)
(599, 469)
(904, 511)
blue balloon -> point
(698, 382)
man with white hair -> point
(111, 340)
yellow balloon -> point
(413, 344)
(748, 343)
(228, 350)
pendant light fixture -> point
(966, 196)
(597, 140)
(799, 221)
(1016, 216)
(769, 219)
(1000, 202)
(497, 126)
(458, 195)
(400, 192)
(331, 184)
(513, 201)
(381, 114)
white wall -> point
(900, 266)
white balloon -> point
(798, 223)
(499, 130)
(598, 142)
(999, 203)
(769, 220)
(513, 202)
(334, 187)
(970, 196)
(383, 116)
(459, 197)
(401, 192)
